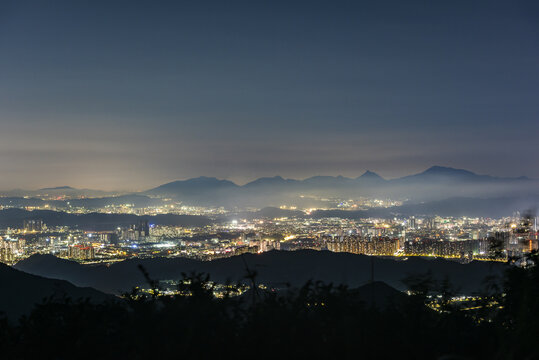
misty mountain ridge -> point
(271, 181)
(65, 187)
(441, 173)
(435, 170)
(435, 183)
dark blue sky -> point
(130, 94)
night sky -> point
(134, 94)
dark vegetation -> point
(317, 320)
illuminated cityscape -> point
(269, 179)
(228, 234)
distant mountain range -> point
(275, 268)
(57, 188)
(433, 188)
(435, 183)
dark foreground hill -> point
(275, 268)
(21, 291)
(315, 321)
(378, 294)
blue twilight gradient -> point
(130, 94)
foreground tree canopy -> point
(318, 320)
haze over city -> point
(123, 95)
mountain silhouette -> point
(371, 176)
(59, 188)
(199, 183)
(274, 268)
(21, 291)
(435, 183)
(441, 173)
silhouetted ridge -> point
(21, 291)
(435, 183)
(444, 170)
(59, 188)
(201, 182)
(379, 294)
(274, 268)
(270, 181)
(370, 176)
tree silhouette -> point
(316, 320)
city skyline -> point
(103, 94)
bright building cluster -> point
(463, 239)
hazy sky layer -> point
(131, 94)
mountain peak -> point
(370, 175)
(58, 188)
(204, 179)
(201, 182)
(444, 170)
(273, 180)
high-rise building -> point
(6, 255)
(10, 248)
(143, 228)
(81, 252)
(367, 246)
(33, 225)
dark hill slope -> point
(276, 268)
(21, 291)
(379, 294)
